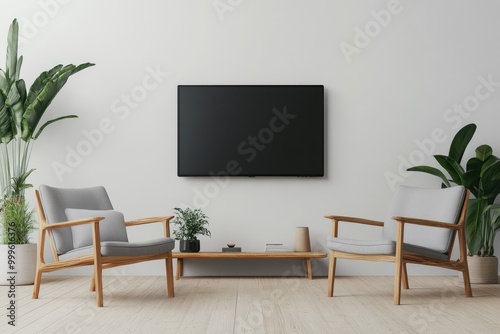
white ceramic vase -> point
(24, 264)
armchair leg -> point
(331, 273)
(36, 286)
(398, 261)
(170, 275)
(97, 264)
(98, 284)
(463, 259)
(40, 259)
(405, 277)
(468, 289)
(397, 283)
(92, 282)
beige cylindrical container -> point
(483, 270)
(302, 243)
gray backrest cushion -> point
(435, 204)
(56, 200)
(112, 228)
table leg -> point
(308, 269)
(180, 269)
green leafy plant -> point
(17, 221)
(191, 223)
(481, 176)
(21, 111)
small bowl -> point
(231, 245)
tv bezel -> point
(221, 173)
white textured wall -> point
(400, 79)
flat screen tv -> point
(250, 130)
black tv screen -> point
(250, 130)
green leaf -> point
(18, 68)
(471, 177)
(491, 224)
(39, 83)
(15, 100)
(6, 134)
(474, 221)
(12, 44)
(50, 122)
(495, 218)
(483, 152)
(460, 142)
(491, 191)
(13, 96)
(4, 84)
(490, 180)
(471, 181)
(489, 164)
(51, 86)
(452, 167)
(19, 183)
(432, 171)
(475, 164)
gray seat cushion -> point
(361, 246)
(379, 247)
(119, 248)
(112, 227)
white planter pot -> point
(483, 270)
(24, 258)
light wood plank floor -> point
(253, 305)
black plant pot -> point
(189, 246)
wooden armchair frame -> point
(402, 257)
(95, 258)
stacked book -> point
(277, 248)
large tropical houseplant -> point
(481, 176)
(20, 112)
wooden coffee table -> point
(307, 256)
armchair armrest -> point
(337, 219)
(161, 219)
(356, 220)
(73, 223)
(426, 222)
(149, 220)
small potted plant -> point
(16, 252)
(192, 222)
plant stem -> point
(6, 171)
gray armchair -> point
(84, 229)
(420, 228)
